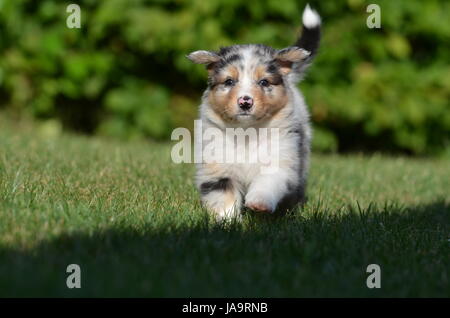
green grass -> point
(132, 220)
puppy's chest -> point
(259, 153)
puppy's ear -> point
(204, 57)
(290, 58)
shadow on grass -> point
(315, 254)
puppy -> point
(254, 86)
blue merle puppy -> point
(255, 86)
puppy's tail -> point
(310, 37)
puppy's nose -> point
(245, 102)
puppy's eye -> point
(264, 83)
(229, 82)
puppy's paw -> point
(222, 211)
(260, 202)
(224, 217)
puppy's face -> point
(247, 83)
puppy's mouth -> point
(244, 116)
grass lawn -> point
(132, 220)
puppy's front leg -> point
(221, 198)
(266, 191)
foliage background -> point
(124, 73)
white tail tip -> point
(311, 18)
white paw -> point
(227, 215)
(260, 202)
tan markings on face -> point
(267, 100)
(224, 99)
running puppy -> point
(254, 86)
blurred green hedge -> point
(124, 73)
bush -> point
(124, 73)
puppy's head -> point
(249, 83)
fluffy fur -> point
(269, 77)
